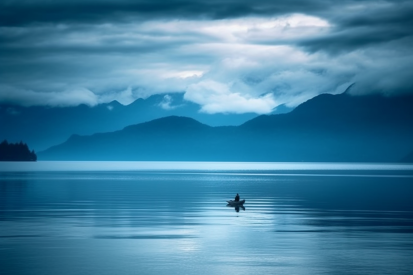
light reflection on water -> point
(197, 166)
(309, 221)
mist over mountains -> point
(344, 128)
(42, 127)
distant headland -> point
(16, 152)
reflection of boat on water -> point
(236, 204)
(236, 207)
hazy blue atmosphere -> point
(79, 80)
(338, 128)
(227, 56)
(127, 126)
(80, 68)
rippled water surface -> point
(142, 219)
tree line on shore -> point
(16, 152)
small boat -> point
(236, 203)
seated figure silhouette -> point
(237, 197)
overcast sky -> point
(226, 55)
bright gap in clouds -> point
(248, 30)
(240, 50)
(182, 74)
(226, 66)
(239, 30)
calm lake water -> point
(172, 218)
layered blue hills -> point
(42, 127)
(340, 128)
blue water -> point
(172, 218)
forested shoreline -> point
(16, 152)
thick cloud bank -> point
(229, 57)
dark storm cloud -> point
(356, 23)
(228, 55)
(355, 29)
(15, 13)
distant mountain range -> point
(42, 127)
(326, 128)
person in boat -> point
(237, 197)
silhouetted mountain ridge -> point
(325, 128)
(176, 123)
(42, 127)
(326, 109)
